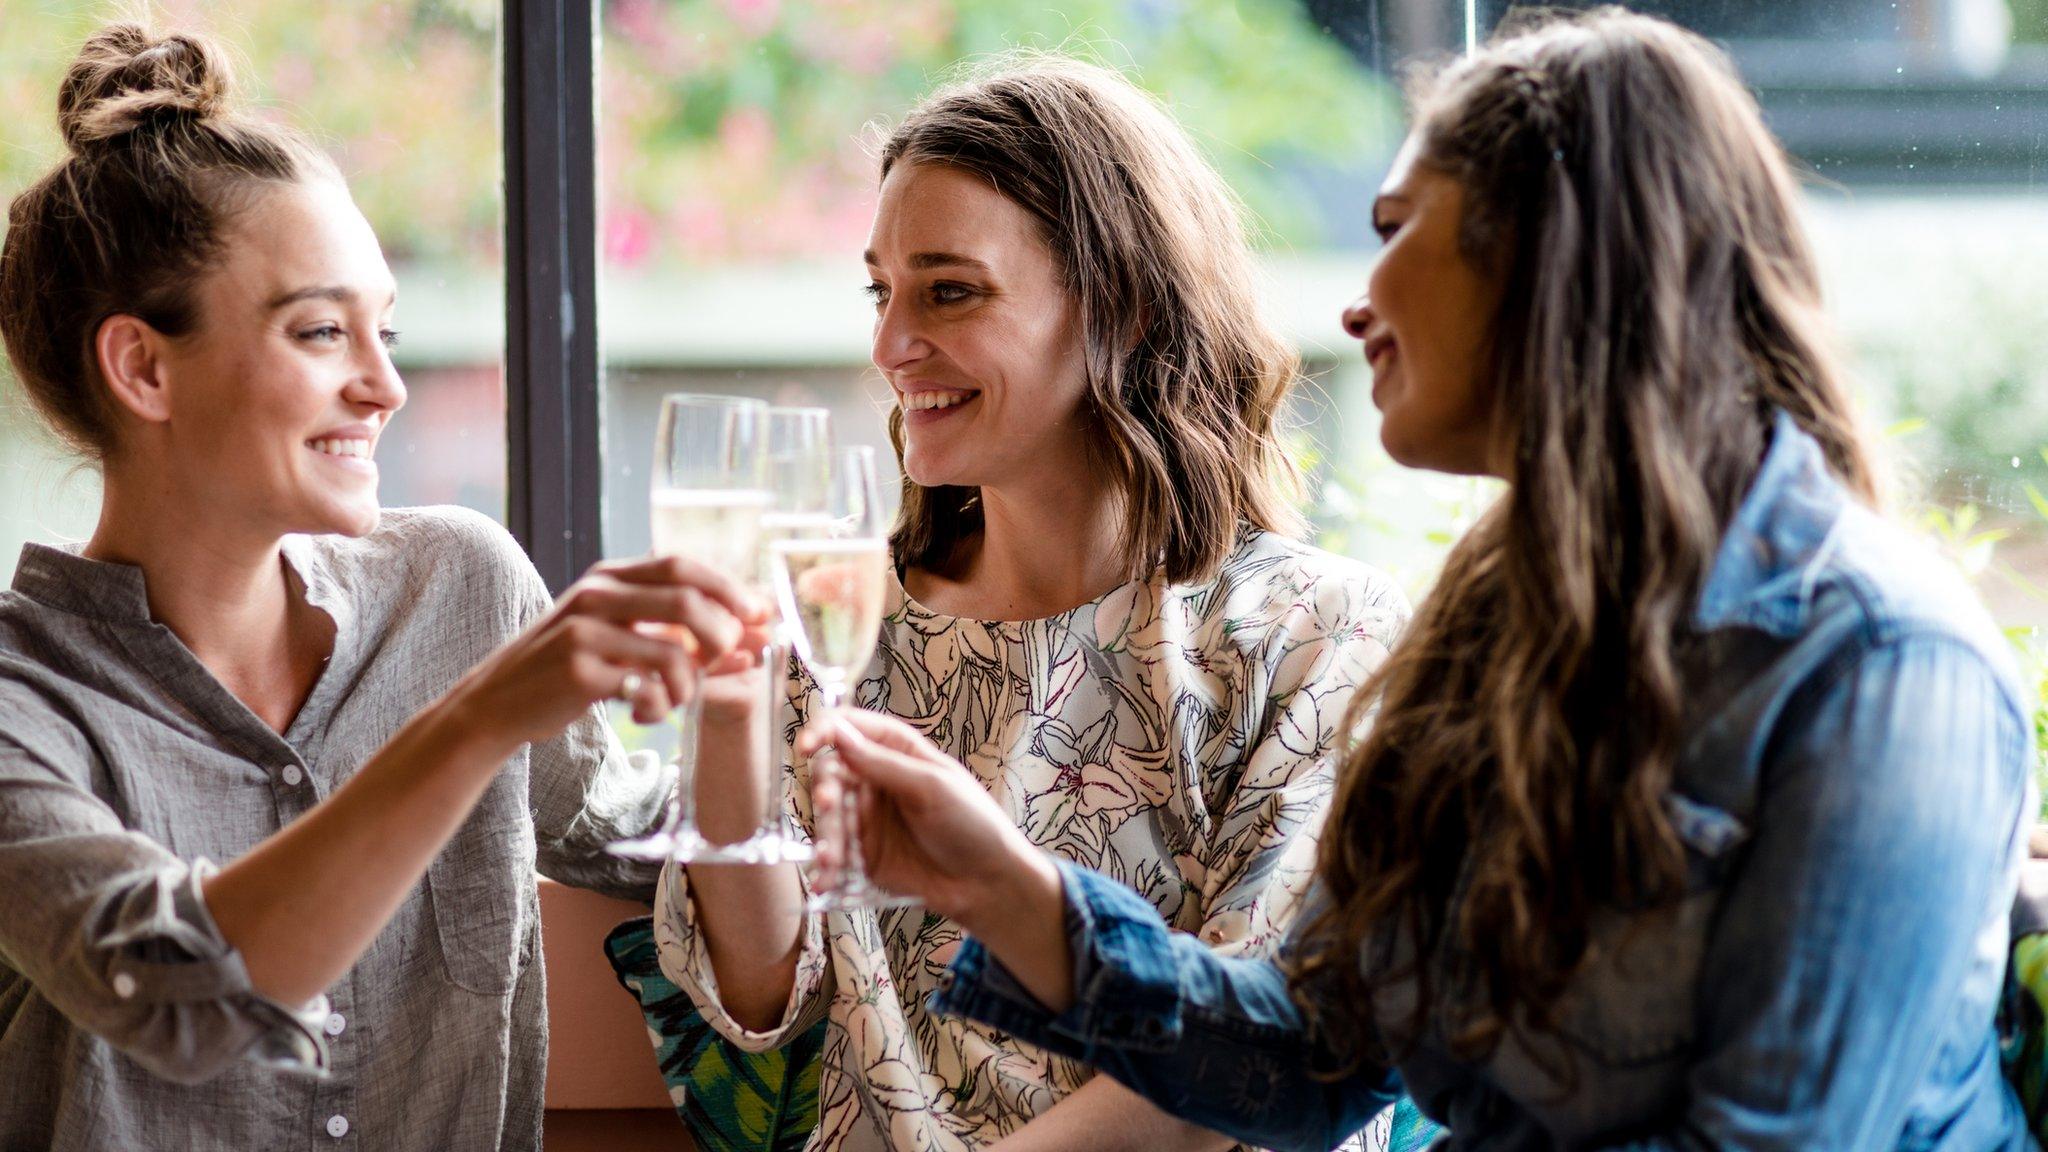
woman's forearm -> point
(751, 921)
(1104, 1116)
(305, 903)
(749, 916)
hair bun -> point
(127, 78)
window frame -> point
(553, 366)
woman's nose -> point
(896, 339)
(379, 383)
(1358, 317)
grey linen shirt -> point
(128, 774)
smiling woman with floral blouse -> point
(1102, 610)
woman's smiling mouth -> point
(352, 453)
(927, 405)
(1379, 352)
(922, 401)
(347, 449)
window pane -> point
(404, 95)
(1921, 122)
(737, 184)
(736, 194)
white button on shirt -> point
(335, 1023)
(292, 775)
(337, 1126)
(415, 604)
(124, 985)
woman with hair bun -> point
(1692, 809)
(277, 766)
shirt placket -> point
(328, 1111)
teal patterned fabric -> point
(731, 1101)
(1412, 1131)
(734, 1101)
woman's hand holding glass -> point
(647, 625)
(930, 830)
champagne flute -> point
(710, 492)
(799, 476)
(799, 479)
(831, 588)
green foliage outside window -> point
(737, 128)
(2029, 20)
(404, 95)
(731, 128)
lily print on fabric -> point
(1178, 739)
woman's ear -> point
(130, 356)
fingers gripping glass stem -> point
(831, 588)
(842, 882)
(710, 494)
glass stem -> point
(689, 722)
(853, 872)
(774, 666)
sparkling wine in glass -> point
(832, 588)
(710, 493)
(799, 485)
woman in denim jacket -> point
(1693, 804)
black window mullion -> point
(552, 420)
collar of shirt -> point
(1775, 548)
(61, 577)
(67, 581)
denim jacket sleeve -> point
(1888, 832)
(1212, 1040)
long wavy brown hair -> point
(1660, 302)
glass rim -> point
(710, 398)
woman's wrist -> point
(1021, 920)
(457, 729)
(1026, 881)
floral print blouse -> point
(1176, 738)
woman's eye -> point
(876, 292)
(389, 336)
(1385, 227)
(323, 333)
(950, 293)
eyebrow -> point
(924, 261)
(335, 293)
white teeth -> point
(919, 401)
(353, 449)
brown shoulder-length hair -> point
(1660, 302)
(1185, 375)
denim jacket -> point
(1852, 791)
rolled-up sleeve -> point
(587, 793)
(686, 961)
(112, 928)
